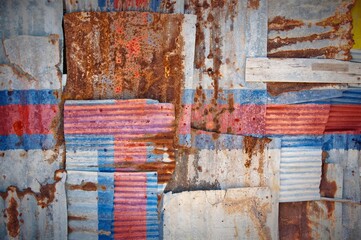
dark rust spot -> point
(276, 89)
(13, 225)
(280, 23)
(253, 4)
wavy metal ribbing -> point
(300, 168)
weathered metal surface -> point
(241, 213)
(223, 161)
(112, 205)
(35, 215)
(120, 135)
(227, 33)
(131, 55)
(36, 18)
(165, 6)
(30, 144)
(356, 55)
(310, 29)
(296, 119)
(302, 70)
(300, 168)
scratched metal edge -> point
(97, 203)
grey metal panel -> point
(37, 18)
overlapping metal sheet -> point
(120, 135)
(131, 55)
(300, 168)
(239, 213)
(308, 29)
(26, 214)
(167, 6)
(227, 33)
(112, 205)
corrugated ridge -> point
(112, 205)
(296, 119)
(300, 168)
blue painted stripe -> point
(341, 141)
(26, 97)
(152, 202)
(310, 96)
(154, 5)
(221, 142)
(106, 205)
(299, 141)
(27, 142)
(89, 102)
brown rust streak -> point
(253, 4)
(327, 188)
(276, 89)
(282, 24)
(87, 186)
(13, 224)
(328, 52)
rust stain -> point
(87, 186)
(276, 89)
(336, 20)
(18, 128)
(125, 55)
(252, 145)
(293, 221)
(328, 52)
(253, 4)
(13, 225)
(327, 188)
(280, 23)
(76, 218)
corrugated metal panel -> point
(242, 213)
(120, 135)
(37, 18)
(168, 6)
(345, 112)
(223, 161)
(227, 33)
(131, 55)
(356, 55)
(300, 168)
(296, 119)
(35, 215)
(310, 29)
(112, 205)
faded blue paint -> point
(106, 205)
(341, 141)
(299, 141)
(27, 142)
(217, 142)
(309, 96)
(152, 202)
(26, 97)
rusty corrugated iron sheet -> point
(238, 213)
(112, 205)
(222, 161)
(306, 29)
(26, 214)
(227, 33)
(36, 18)
(131, 55)
(120, 135)
(300, 168)
(165, 6)
(295, 119)
(345, 112)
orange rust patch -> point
(18, 128)
(328, 52)
(88, 186)
(327, 188)
(76, 218)
(253, 4)
(13, 225)
(282, 24)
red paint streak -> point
(116, 4)
(27, 119)
(141, 3)
(184, 125)
(343, 118)
(130, 205)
